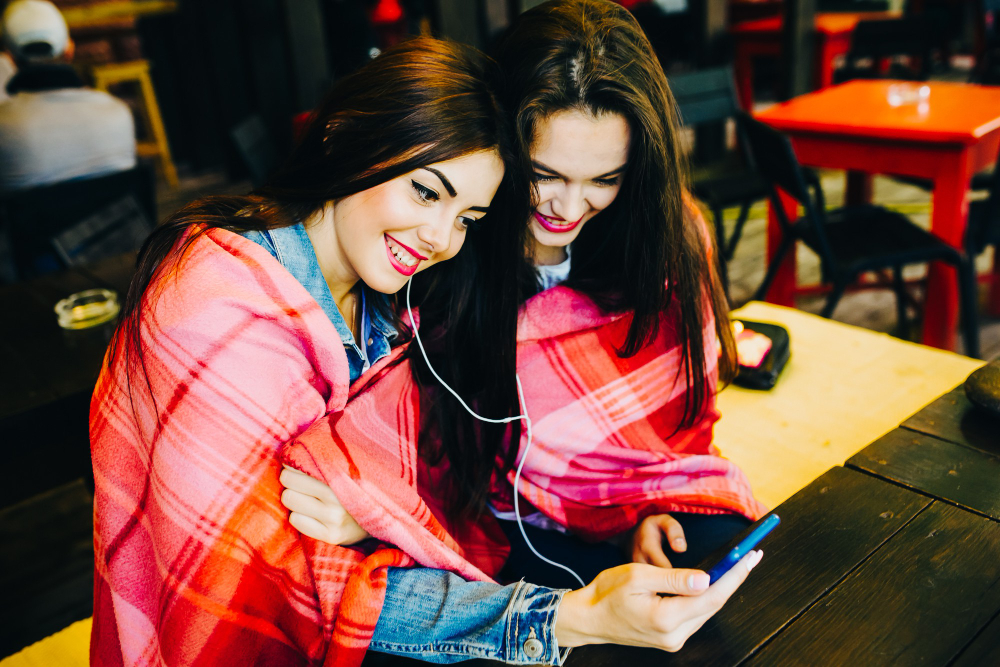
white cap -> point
(32, 21)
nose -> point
(570, 204)
(435, 236)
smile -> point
(557, 225)
(404, 259)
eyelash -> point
(603, 182)
(425, 194)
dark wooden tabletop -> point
(48, 377)
(892, 560)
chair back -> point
(773, 156)
(255, 147)
(985, 229)
(705, 96)
(78, 222)
(876, 39)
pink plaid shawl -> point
(607, 452)
(195, 561)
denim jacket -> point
(431, 615)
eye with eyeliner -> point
(424, 193)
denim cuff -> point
(531, 628)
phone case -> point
(766, 375)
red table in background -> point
(949, 138)
(762, 37)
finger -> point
(331, 515)
(291, 478)
(674, 532)
(672, 581)
(651, 544)
(719, 592)
(308, 526)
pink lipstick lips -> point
(400, 258)
(550, 224)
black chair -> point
(853, 240)
(256, 148)
(983, 228)
(77, 222)
(709, 97)
(875, 40)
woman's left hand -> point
(316, 512)
(648, 536)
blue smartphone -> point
(743, 548)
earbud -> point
(506, 420)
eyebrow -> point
(451, 189)
(613, 172)
(444, 181)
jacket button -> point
(533, 648)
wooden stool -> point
(138, 71)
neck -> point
(547, 255)
(336, 271)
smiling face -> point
(579, 160)
(385, 234)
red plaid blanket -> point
(607, 451)
(195, 561)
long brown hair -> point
(643, 253)
(421, 102)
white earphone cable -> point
(527, 424)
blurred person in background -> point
(53, 128)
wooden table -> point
(892, 560)
(48, 377)
(852, 126)
(763, 37)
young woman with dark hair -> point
(252, 320)
(624, 334)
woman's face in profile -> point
(579, 160)
(389, 232)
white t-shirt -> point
(551, 275)
(58, 135)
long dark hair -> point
(421, 102)
(643, 253)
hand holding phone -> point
(744, 547)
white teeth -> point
(411, 262)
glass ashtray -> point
(87, 309)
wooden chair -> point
(137, 71)
(704, 98)
(852, 240)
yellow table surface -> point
(70, 647)
(842, 388)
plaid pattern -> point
(606, 449)
(195, 561)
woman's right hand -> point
(315, 510)
(625, 605)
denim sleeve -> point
(435, 616)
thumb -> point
(672, 581)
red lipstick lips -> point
(398, 265)
(549, 225)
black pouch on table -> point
(766, 374)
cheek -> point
(605, 198)
(547, 192)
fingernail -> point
(698, 582)
(754, 559)
(680, 544)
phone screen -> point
(743, 548)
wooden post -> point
(798, 47)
